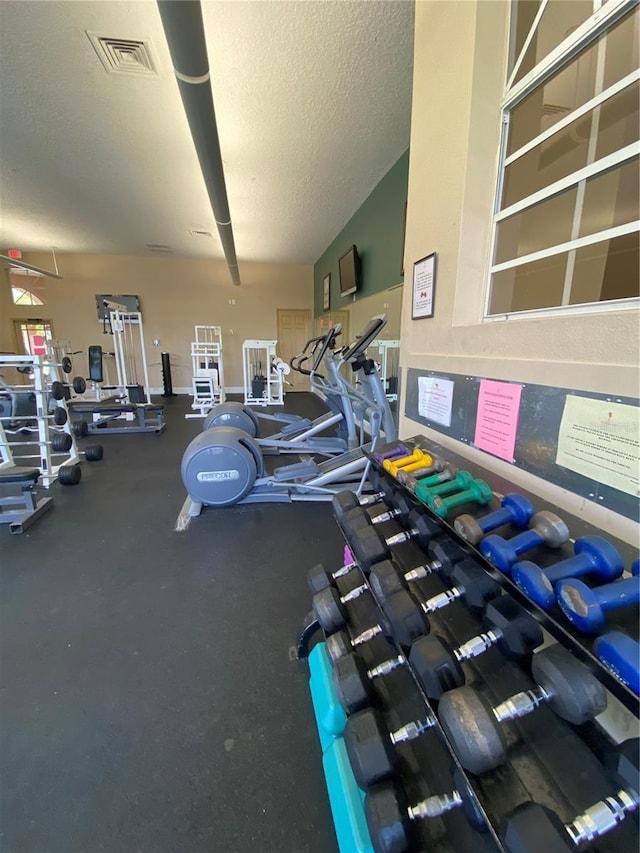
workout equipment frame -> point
(386, 353)
(207, 370)
(225, 465)
(43, 370)
(128, 346)
(263, 389)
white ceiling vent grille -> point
(162, 248)
(199, 232)
(124, 56)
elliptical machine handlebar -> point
(319, 347)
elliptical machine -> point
(225, 465)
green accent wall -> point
(377, 229)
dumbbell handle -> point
(521, 704)
(479, 491)
(477, 645)
(493, 520)
(602, 817)
(435, 806)
(572, 567)
(354, 593)
(423, 571)
(386, 666)
(367, 635)
(525, 541)
(385, 516)
(398, 451)
(443, 487)
(344, 570)
(412, 730)
(444, 599)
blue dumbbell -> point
(621, 654)
(546, 529)
(587, 608)
(593, 556)
(515, 509)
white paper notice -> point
(435, 399)
(601, 440)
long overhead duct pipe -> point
(184, 31)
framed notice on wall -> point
(424, 285)
(326, 292)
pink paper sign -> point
(497, 418)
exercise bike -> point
(225, 464)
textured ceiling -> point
(313, 104)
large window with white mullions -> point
(566, 219)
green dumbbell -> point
(462, 480)
(428, 476)
(477, 491)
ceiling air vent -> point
(159, 247)
(124, 56)
(198, 232)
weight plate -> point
(472, 729)
(79, 385)
(80, 429)
(67, 365)
(57, 390)
(576, 695)
(352, 684)
(69, 475)
(60, 416)
(94, 453)
(61, 442)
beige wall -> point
(459, 62)
(175, 294)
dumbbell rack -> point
(550, 762)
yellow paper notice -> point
(601, 440)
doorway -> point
(31, 336)
(294, 330)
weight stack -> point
(166, 375)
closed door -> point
(294, 330)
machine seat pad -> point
(18, 474)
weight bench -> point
(20, 511)
(113, 417)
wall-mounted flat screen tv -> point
(349, 270)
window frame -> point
(605, 15)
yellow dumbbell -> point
(418, 456)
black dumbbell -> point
(357, 518)
(387, 577)
(471, 584)
(390, 817)
(474, 727)
(345, 500)
(532, 827)
(404, 620)
(435, 663)
(318, 578)
(328, 605)
(369, 547)
(371, 746)
(352, 680)
(387, 581)
(507, 625)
